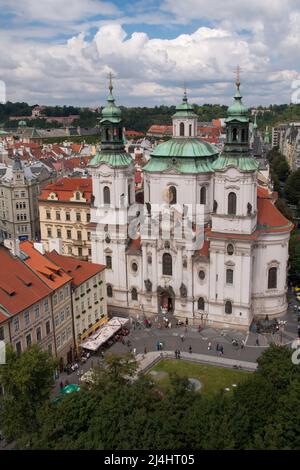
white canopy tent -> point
(104, 334)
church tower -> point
(184, 120)
(235, 205)
(113, 191)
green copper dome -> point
(184, 148)
(237, 111)
(111, 112)
(117, 159)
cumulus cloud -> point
(151, 71)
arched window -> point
(243, 135)
(129, 195)
(203, 195)
(228, 307)
(272, 278)
(120, 134)
(106, 195)
(106, 134)
(229, 276)
(232, 203)
(167, 264)
(77, 196)
(201, 303)
(172, 195)
(181, 129)
(134, 294)
(109, 290)
(108, 262)
(234, 134)
(190, 130)
(230, 249)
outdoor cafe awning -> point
(104, 334)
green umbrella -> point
(70, 388)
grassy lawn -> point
(213, 378)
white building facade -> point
(236, 272)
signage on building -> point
(22, 238)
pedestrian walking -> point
(134, 351)
(222, 350)
(157, 345)
(257, 342)
(176, 354)
(145, 350)
(190, 349)
(217, 347)
(186, 322)
(209, 346)
(182, 338)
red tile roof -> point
(19, 286)
(80, 271)
(50, 273)
(65, 188)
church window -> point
(129, 195)
(167, 264)
(234, 134)
(134, 267)
(190, 130)
(181, 129)
(243, 135)
(106, 195)
(77, 196)
(172, 195)
(228, 307)
(109, 291)
(134, 294)
(272, 278)
(203, 195)
(201, 275)
(106, 134)
(201, 303)
(229, 276)
(231, 203)
(108, 262)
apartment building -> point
(64, 209)
(25, 305)
(88, 294)
(20, 185)
(60, 285)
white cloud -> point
(148, 71)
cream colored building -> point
(64, 209)
(88, 294)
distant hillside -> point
(141, 118)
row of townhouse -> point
(49, 299)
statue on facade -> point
(249, 208)
(183, 291)
(148, 285)
(215, 206)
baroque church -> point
(238, 268)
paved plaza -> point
(143, 342)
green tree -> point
(27, 379)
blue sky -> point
(58, 52)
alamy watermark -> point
(295, 96)
(2, 92)
(2, 353)
(296, 356)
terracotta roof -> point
(160, 129)
(76, 162)
(76, 148)
(50, 273)
(80, 271)
(65, 188)
(204, 250)
(19, 286)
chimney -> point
(39, 247)
(13, 246)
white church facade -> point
(238, 270)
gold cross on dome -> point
(238, 72)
